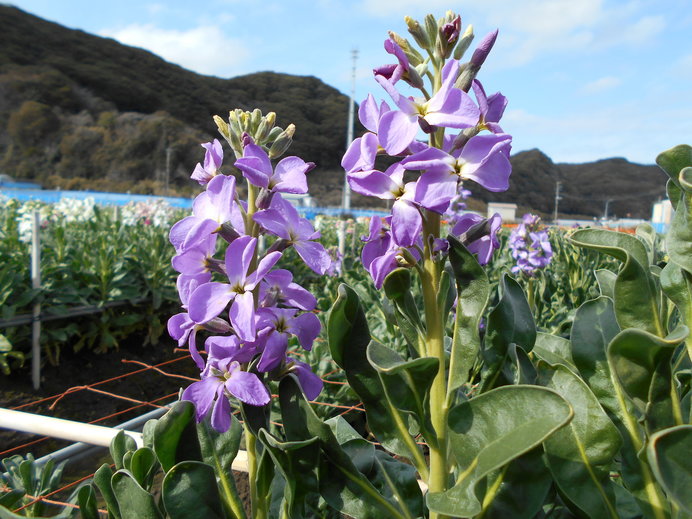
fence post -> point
(36, 284)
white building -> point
(662, 215)
(508, 212)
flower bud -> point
(217, 325)
(464, 42)
(274, 134)
(282, 142)
(255, 119)
(228, 232)
(484, 48)
(223, 127)
(413, 78)
(431, 30)
(417, 32)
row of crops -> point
(111, 267)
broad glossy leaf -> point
(492, 429)
(518, 369)
(580, 455)
(523, 486)
(361, 451)
(296, 461)
(593, 328)
(341, 484)
(606, 282)
(120, 445)
(406, 383)
(668, 452)
(639, 359)
(102, 480)
(397, 287)
(636, 293)
(679, 237)
(133, 501)
(348, 341)
(219, 450)
(675, 159)
(473, 292)
(510, 322)
(175, 436)
(554, 350)
(86, 499)
(143, 466)
(677, 285)
(189, 491)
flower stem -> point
(259, 510)
(434, 339)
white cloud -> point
(532, 28)
(601, 84)
(205, 49)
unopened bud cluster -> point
(260, 128)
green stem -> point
(259, 510)
(438, 480)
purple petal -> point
(369, 114)
(272, 221)
(397, 130)
(435, 189)
(487, 161)
(407, 223)
(221, 413)
(255, 165)
(361, 153)
(380, 267)
(213, 156)
(311, 383)
(248, 388)
(265, 265)
(242, 316)
(274, 352)
(179, 327)
(208, 301)
(306, 327)
(457, 111)
(289, 175)
(190, 262)
(314, 255)
(373, 183)
(296, 296)
(201, 394)
(238, 258)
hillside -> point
(80, 111)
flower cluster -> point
(158, 213)
(477, 149)
(249, 309)
(530, 246)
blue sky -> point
(586, 79)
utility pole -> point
(169, 150)
(605, 211)
(346, 193)
(558, 185)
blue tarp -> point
(53, 196)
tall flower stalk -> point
(464, 143)
(246, 308)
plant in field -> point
(530, 246)
(509, 422)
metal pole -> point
(169, 150)
(558, 185)
(36, 284)
(346, 198)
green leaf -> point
(175, 436)
(102, 480)
(593, 328)
(492, 429)
(219, 450)
(668, 452)
(580, 455)
(473, 292)
(341, 484)
(636, 293)
(510, 322)
(679, 237)
(520, 487)
(397, 288)
(641, 362)
(349, 337)
(554, 350)
(143, 466)
(296, 461)
(133, 501)
(189, 491)
(86, 499)
(677, 285)
(406, 383)
(120, 445)
(675, 159)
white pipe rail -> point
(60, 428)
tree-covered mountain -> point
(81, 111)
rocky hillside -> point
(83, 112)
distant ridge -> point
(78, 110)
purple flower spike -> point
(491, 107)
(210, 299)
(283, 220)
(312, 384)
(212, 162)
(278, 288)
(530, 246)
(288, 177)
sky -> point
(585, 79)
